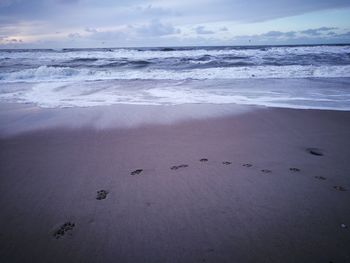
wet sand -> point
(268, 185)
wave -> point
(24, 64)
(41, 73)
(88, 77)
(149, 53)
(83, 60)
(45, 73)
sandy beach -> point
(264, 185)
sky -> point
(130, 23)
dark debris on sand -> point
(102, 194)
(315, 151)
(61, 231)
(320, 177)
(226, 163)
(136, 172)
(203, 160)
(175, 167)
(339, 188)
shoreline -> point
(19, 118)
(214, 187)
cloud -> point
(132, 33)
(331, 33)
(107, 35)
(324, 35)
(278, 34)
(74, 35)
(317, 31)
(79, 12)
(14, 40)
(91, 30)
(344, 35)
(292, 34)
(201, 30)
(156, 28)
(10, 41)
(181, 20)
(273, 34)
(21, 9)
(150, 10)
(269, 36)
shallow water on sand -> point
(321, 93)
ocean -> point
(309, 77)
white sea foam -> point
(44, 73)
(292, 93)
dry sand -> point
(143, 195)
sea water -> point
(316, 77)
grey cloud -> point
(57, 10)
(10, 41)
(317, 31)
(153, 29)
(295, 37)
(344, 35)
(91, 30)
(331, 33)
(74, 35)
(21, 9)
(80, 12)
(92, 18)
(292, 34)
(151, 10)
(326, 28)
(273, 34)
(202, 30)
(14, 40)
(110, 35)
(311, 32)
(156, 28)
(276, 34)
